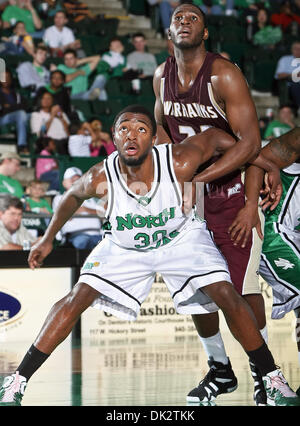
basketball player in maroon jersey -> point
(196, 89)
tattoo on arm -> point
(285, 152)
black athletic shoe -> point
(260, 395)
(219, 379)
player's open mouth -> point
(131, 149)
(184, 33)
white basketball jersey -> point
(150, 221)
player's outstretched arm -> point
(285, 150)
(85, 187)
(161, 134)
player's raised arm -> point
(232, 94)
(161, 134)
(85, 187)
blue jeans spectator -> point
(52, 177)
(84, 241)
(166, 11)
(19, 119)
(99, 83)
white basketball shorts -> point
(124, 277)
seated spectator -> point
(9, 166)
(13, 233)
(48, 8)
(77, 11)
(22, 10)
(34, 200)
(49, 120)
(60, 93)
(77, 73)
(115, 58)
(13, 111)
(102, 145)
(19, 43)
(34, 74)
(166, 8)
(80, 140)
(216, 7)
(82, 233)
(140, 60)
(59, 37)
(286, 17)
(283, 124)
(46, 169)
(265, 34)
(287, 70)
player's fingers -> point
(239, 236)
(259, 231)
(246, 236)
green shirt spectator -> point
(10, 186)
(282, 125)
(77, 73)
(9, 166)
(81, 82)
(23, 11)
(39, 206)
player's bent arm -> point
(193, 151)
(285, 150)
(161, 134)
(232, 94)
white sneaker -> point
(12, 389)
(278, 391)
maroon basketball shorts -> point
(243, 263)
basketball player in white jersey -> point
(149, 233)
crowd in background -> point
(52, 74)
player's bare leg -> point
(238, 313)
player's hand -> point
(272, 191)
(39, 251)
(241, 228)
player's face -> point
(187, 27)
(133, 138)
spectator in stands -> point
(48, 8)
(13, 109)
(80, 140)
(35, 200)
(77, 11)
(102, 144)
(166, 8)
(9, 166)
(59, 37)
(216, 7)
(82, 233)
(115, 58)
(295, 6)
(286, 17)
(264, 34)
(141, 60)
(49, 120)
(46, 169)
(34, 74)
(22, 10)
(60, 93)
(288, 71)
(12, 232)
(77, 73)
(283, 124)
(18, 43)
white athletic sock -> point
(264, 333)
(297, 312)
(214, 347)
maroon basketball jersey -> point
(192, 112)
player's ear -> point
(153, 140)
(169, 34)
(205, 34)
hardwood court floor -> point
(156, 371)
